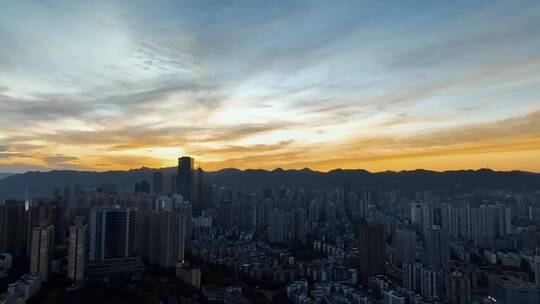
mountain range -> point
(4, 175)
(43, 183)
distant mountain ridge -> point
(4, 175)
(43, 183)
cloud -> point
(349, 84)
(7, 155)
(20, 168)
(59, 159)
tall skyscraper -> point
(412, 276)
(13, 227)
(112, 233)
(225, 216)
(174, 183)
(251, 213)
(537, 267)
(41, 251)
(371, 247)
(416, 216)
(460, 288)
(437, 244)
(208, 196)
(432, 283)
(276, 223)
(197, 190)
(405, 245)
(186, 177)
(172, 238)
(157, 185)
(77, 251)
(299, 225)
(143, 234)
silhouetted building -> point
(142, 187)
(208, 196)
(371, 249)
(405, 245)
(112, 233)
(41, 251)
(412, 276)
(77, 251)
(299, 225)
(276, 225)
(174, 184)
(186, 177)
(432, 283)
(157, 183)
(13, 233)
(460, 288)
(172, 238)
(225, 216)
(437, 244)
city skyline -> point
(376, 86)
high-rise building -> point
(186, 177)
(143, 234)
(142, 187)
(394, 297)
(185, 209)
(208, 196)
(299, 225)
(405, 245)
(505, 220)
(41, 251)
(172, 235)
(371, 250)
(112, 233)
(77, 251)
(276, 224)
(511, 290)
(157, 185)
(412, 276)
(197, 190)
(225, 216)
(13, 227)
(432, 283)
(174, 183)
(251, 213)
(537, 267)
(437, 245)
(460, 288)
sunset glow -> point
(396, 86)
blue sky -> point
(395, 85)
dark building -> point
(186, 178)
(198, 190)
(13, 227)
(225, 216)
(174, 183)
(44, 213)
(299, 225)
(157, 183)
(208, 196)
(112, 233)
(371, 247)
(77, 191)
(142, 187)
(143, 234)
(67, 193)
(437, 245)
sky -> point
(381, 85)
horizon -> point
(276, 169)
(374, 86)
